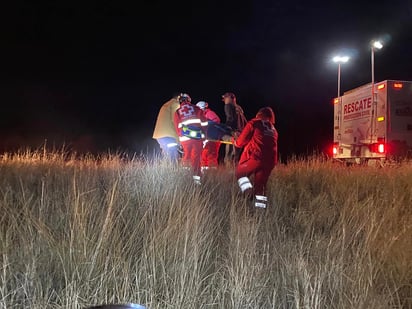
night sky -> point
(93, 74)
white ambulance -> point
(379, 128)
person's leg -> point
(212, 153)
(261, 178)
(169, 147)
(237, 152)
(163, 144)
(196, 152)
(204, 157)
(229, 154)
(186, 159)
(243, 171)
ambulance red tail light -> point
(378, 148)
(335, 149)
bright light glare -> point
(340, 59)
(377, 44)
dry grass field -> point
(77, 232)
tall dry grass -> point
(77, 232)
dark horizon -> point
(94, 76)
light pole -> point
(339, 60)
(374, 45)
(377, 45)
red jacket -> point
(260, 140)
(211, 115)
(188, 114)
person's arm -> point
(212, 116)
(176, 121)
(245, 136)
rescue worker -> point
(164, 131)
(259, 140)
(235, 118)
(189, 123)
(210, 152)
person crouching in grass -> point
(259, 139)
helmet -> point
(184, 97)
(202, 104)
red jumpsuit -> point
(189, 114)
(210, 151)
(259, 139)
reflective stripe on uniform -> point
(244, 183)
(260, 205)
(196, 179)
(261, 201)
(189, 121)
(261, 198)
(170, 145)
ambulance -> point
(374, 125)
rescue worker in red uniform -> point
(189, 121)
(259, 140)
(210, 152)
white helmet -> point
(202, 104)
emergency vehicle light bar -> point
(398, 86)
(381, 86)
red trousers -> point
(210, 154)
(260, 170)
(192, 151)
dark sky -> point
(93, 74)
